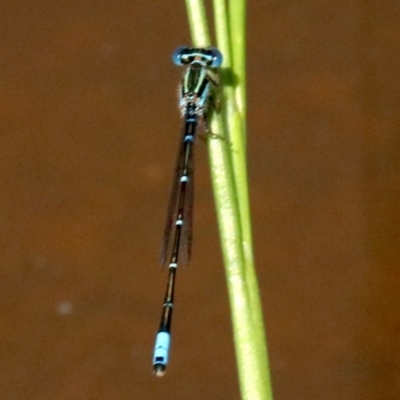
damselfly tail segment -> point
(196, 90)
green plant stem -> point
(229, 178)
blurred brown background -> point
(89, 130)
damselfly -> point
(196, 96)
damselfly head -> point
(210, 57)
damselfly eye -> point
(177, 55)
(216, 58)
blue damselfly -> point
(197, 93)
